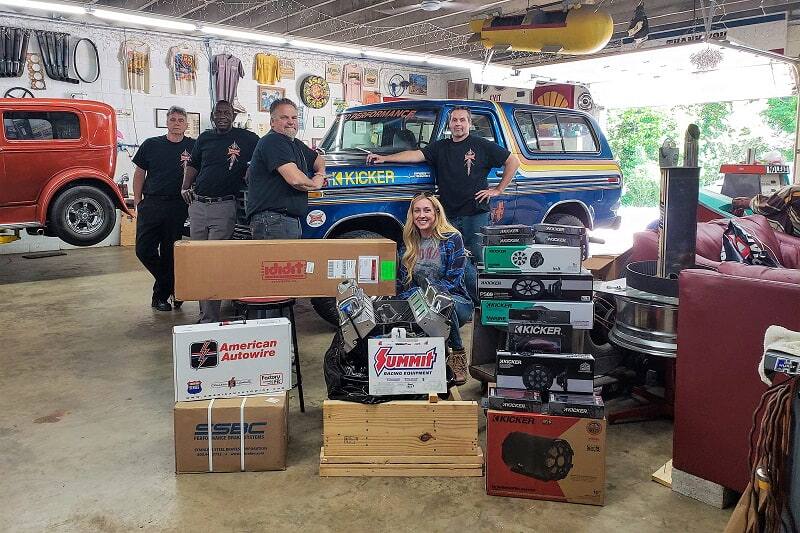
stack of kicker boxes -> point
(546, 427)
(230, 393)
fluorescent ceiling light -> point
(326, 47)
(246, 35)
(142, 20)
(46, 6)
(393, 55)
(449, 62)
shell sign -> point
(554, 95)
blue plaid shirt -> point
(451, 273)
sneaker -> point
(161, 305)
(458, 362)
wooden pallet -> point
(414, 438)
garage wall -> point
(136, 111)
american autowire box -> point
(232, 359)
(231, 434)
(227, 270)
(545, 457)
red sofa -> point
(723, 314)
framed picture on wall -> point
(418, 84)
(318, 121)
(161, 118)
(458, 89)
(194, 125)
(268, 94)
(287, 69)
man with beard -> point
(160, 211)
(282, 172)
(214, 176)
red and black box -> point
(545, 457)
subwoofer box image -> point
(539, 456)
(536, 258)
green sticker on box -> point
(388, 270)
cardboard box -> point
(545, 372)
(526, 401)
(495, 312)
(232, 359)
(574, 404)
(558, 239)
(574, 287)
(127, 230)
(545, 457)
(231, 435)
(406, 366)
(539, 331)
(536, 258)
(608, 267)
(507, 240)
(507, 229)
(559, 228)
(226, 270)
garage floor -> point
(86, 432)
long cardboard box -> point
(231, 434)
(226, 270)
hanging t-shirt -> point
(183, 64)
(461, 171)
(227, 70)
(267, 69)
(135, 56)
(351, 79)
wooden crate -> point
(404, 438)
(127, 230)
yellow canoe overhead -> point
(578, 31)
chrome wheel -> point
(84, 216)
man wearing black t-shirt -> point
(214, 176)
(282, 172)
(160, 210)
(462, 164)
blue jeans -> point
(460, 314)
(470, 226)
(271, 225)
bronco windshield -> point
(383, 131)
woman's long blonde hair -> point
(411, 237)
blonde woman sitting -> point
(434, 250)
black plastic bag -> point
(740, 245)
(347, 375)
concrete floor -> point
(86, 433)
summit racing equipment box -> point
(232, 359)
(545, 457)
(400, 365)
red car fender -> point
(62, 179)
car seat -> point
(404, 140)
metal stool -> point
(254, 308)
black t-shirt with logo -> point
(221, 161)
(164, 162)
(461, 171)
(267, 190)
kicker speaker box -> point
(509, 229)
(545, 372)
(539, 332)
(575, 404)
(560, 229)
(526, 401)
(507, 240)
(572, 287)
(540, 456)
(536, 258)
(495, 312)
(558, 239)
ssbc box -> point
(545, 372)
(495, 312)
(573, 287)
(536, 258)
